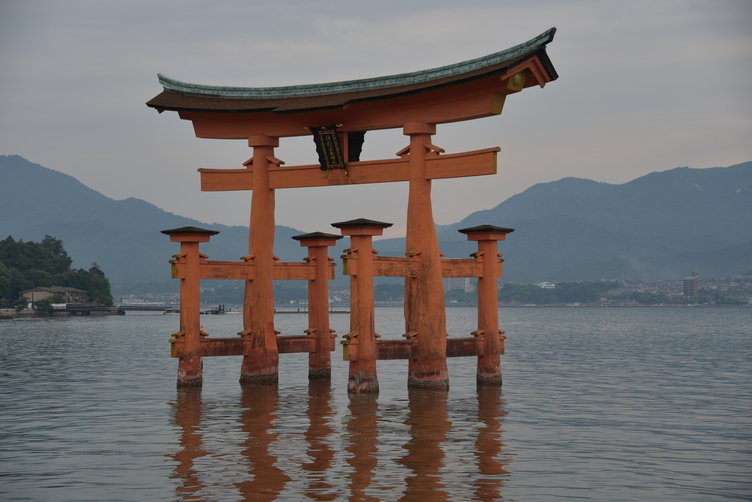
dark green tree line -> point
(26, 265)
(565, 292)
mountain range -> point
(662, 225)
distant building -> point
(546, 285)
(462, 283)
(692, 286)
(71, 295)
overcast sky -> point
(644, 86)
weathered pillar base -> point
(258, 370)
(489, 380)
(363, 382)
(435, 380)
(320, 374)
(271, 379)
(189, 372)
(489, 371)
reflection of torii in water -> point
(415, 102)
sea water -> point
(599, 404)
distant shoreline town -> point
(692, 291)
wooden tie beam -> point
(486, 342)
(191, 343)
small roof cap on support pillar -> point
(189, 234)
(361, 226)
(486, 233)
(317, 239)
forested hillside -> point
(660, 226)
(26, 265)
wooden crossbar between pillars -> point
(418, 164)
(190, 344)
(427, 347)
(475, 163)
(215, 346)
(487, 342)
(246, 270)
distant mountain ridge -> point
(122, 236)
(662, 225)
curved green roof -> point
(368, 84)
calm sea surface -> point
(597, 404)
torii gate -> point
(415, 102)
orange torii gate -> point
(415, 102)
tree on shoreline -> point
(26, 265)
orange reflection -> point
(424, 455)
(319, 431)
(488, 445)
(188, 417)
(429, 424)
(363, 439)
(260, 411)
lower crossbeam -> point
(215, 347)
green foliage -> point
(230, 294)
(459, 296)
(649, 298)
(5, 289)
(583, 292)
(289, 291)
(388, 292)
(565, 292)
(45, 305)
(47, 256)
(57, 298)
(526, 294)
(21, 303)
(721, 299)
(724, 300)
(45, 264)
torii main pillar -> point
(425, 312)
(261, 361)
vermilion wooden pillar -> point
(189, 365)
(361, 340)
(489, 362)
(319, 361)
(424, 294)
(261, 361)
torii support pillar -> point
(425, 310)
(189, 364)
(319, 361)
(261, 360)
(360, 343)
(489, 362)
